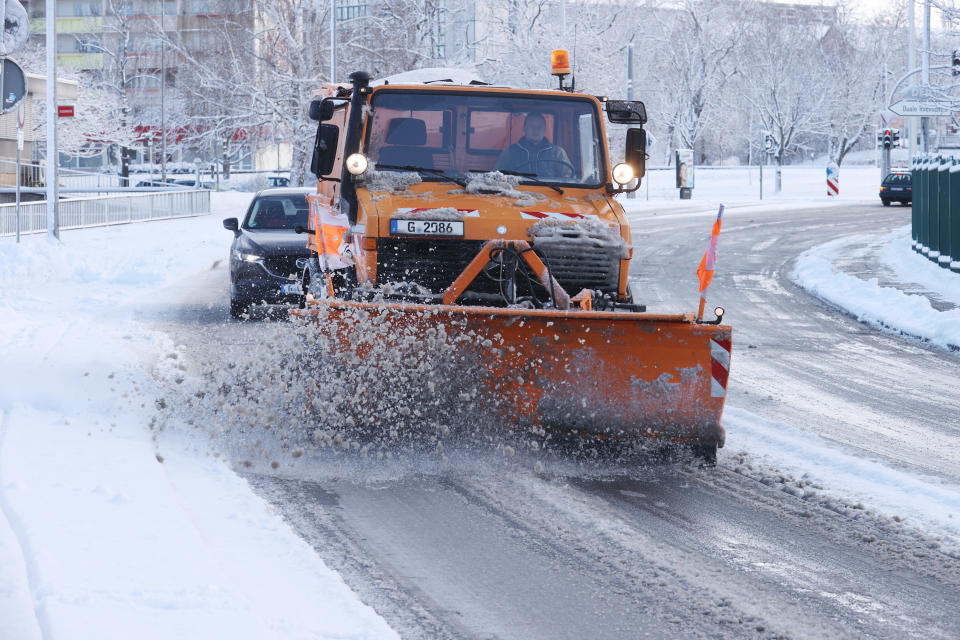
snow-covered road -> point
(814, 389)
(100, 535)
(831, 513)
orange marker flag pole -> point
(708, 262)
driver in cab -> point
(533, 153)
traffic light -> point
(955, 62)
(896, 137)
(887, 139)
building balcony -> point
(86, 24)
(80, 60)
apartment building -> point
(117, 43)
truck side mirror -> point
(321, 110)
(636, 151)
(232, 224)
(626, 112)
(324, 149)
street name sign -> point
(920, 108)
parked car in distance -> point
(278, 181)
(896, 187)
(155, 183)
(191, 182)
(265, 250)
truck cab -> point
(415, 178)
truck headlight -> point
(623, 173)
(356, 163)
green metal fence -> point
(935, 214)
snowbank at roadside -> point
(99, 536)
(910, 266)
(886, 307)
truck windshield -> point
(555, 139)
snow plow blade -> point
(602, 373)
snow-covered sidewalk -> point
(901, 301)
(100, 537)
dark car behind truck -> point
(265, 250)
(896, 187)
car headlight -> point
(623, 173)
(356, 163)
(247, 257)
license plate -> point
(896, 188)
(293, 288)
(426, 228)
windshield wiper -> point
(436, 172)
(531, 176)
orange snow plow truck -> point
(486, 214)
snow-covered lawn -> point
(803, 183)
(99, 536)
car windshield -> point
(897, 179)
(278, 212)
(555, 140)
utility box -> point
(685, 173)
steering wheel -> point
(568, 170)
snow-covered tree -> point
(700, 47)
(787, 86)
(112, 117)
(855, 59)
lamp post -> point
(53, 222)
(163, 85)
(333, 40)
(925, 70)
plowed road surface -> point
(485, 547)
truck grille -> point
(581, 257)
(582, 267)
(433, 264)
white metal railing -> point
(77, 213)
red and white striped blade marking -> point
(720, 367)
(540, 215)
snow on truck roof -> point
(443, 76)
(433, 75)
